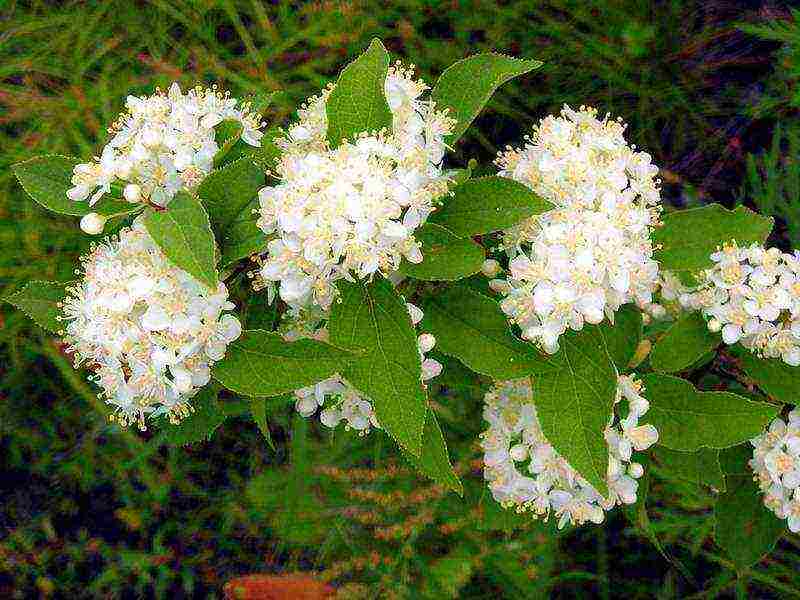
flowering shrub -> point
(561, 281)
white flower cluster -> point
(352, 210)
(339, 400)
(592, 253)
(162, 144)
(776, 463)
(753, 296)
(149, 330)
(524, 471)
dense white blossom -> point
(592, 253)
(149, 330)
(352, 210)
(162, 144)
(776, 464)
(752, 295)
(525, 472)
(335, 398)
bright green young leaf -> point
(689, 237)
(745, 528)
(261, 363)
(435, 460)
(622, 338)
(39, 300)
(46, 180)
(574, 403)
(700, 467)
(472, 328)
(772, 375)
(688, 420)
(446, 257)
(683, 344)
(466, 86)
(358, 102)
(258, 408)
(226, 134)
(183, 232)
(374, 319)
(226, 192)
(487, 204)
(243, 237)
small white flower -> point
(148, 330)
(162, 144)
(776, 464)
(525, 472)
(351, 211)
(592, 253)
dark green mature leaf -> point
(688, 420)
(689, 237)
(46, 180)
(775, 377)
(700, 467)
(487, 204)
(358, 102)
(471, 327)
(39, 300)
(228, 191)
(466, 86)
(622, 338)
(258, 408)
(574, 403)
(435, 460)
(183, 232)
(374, 319)
(261, 363)
(207, 415)
(243, 237)
(446, 257)
(683, 344)
(226, 134)
(745, 528)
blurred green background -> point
(710, 88)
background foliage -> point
(710, 88)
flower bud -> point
(93, 223)
(132, 193)
(714, 325)
(490, 267)
(426, 342)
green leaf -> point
(745, 528)
(46, 180)
(258, 408)
(622, 338)
(446, 257)
(435, 460)
(261, 363)
(264, 156)
(183, 232)
(472, 328)
(208, 413)
(775, 377)
(466, 86)
(243, 237)
(228, 191)
(683, 344)
(688, 420)
(227, 133)
(358, 102)
(374, 319)
(575, 403)
(689, 237)
(487, 204)
(39, 300)
(700, 467)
